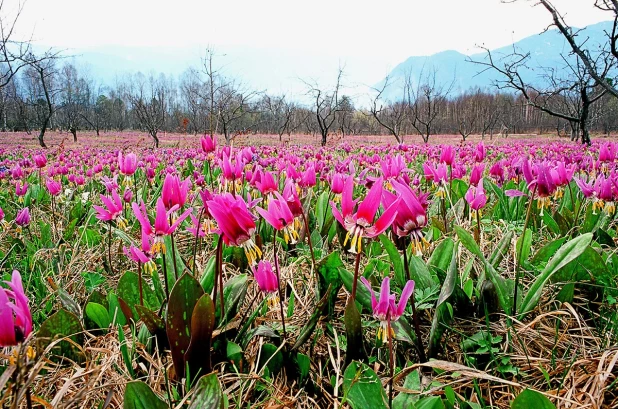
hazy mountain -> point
(451, 67)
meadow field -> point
(268, 274)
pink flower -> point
(209, 143)
(235, 223)
(411, 213)
(266, 184)
(477, 173)
(40, 161)
(174, 192)
(447, 155)
(127, 195)
(23, 217)
(265, 277)
(128, 164)
(308, 177)
(21, 190)
(475, 196)
(280, 217)
(15, 316)
(385, 309)
(336, 184)
(361, 223)
(479, 152)
(112, 210)
(162, 226)
(53, 187)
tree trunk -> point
(155, 137)
(324, 134)
(73, 131)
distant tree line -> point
(40, 92)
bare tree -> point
(231, 105)
(426, 101)
(326, 105)
(42, 84)
(598, 67)
(567, 97)
(148, 99)
(391, 116)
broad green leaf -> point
(568, 252)
(128, 290)
(62, 324)
(362, 387)
(304, 365)
(234, 291)
(208, 393)
(183, 298)
(272, 358)
(420, 273)
(529, 399)
(362, 294)
(98, 314)
(353, 332)
(202, 326)
(523, 246)
(309, 327)
(501, 286)
(544, 254)
(442, 318)
(440, 259)
(138, 395)
(395, 259)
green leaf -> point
(234, 291)
(551, 223)
(429, 402)
(202, 327)
(543, 255)
(183, 298)
(309, 327)
(362, 295)
(523, 246)
(353, 332)
(362, 387)
(272, 358)
(440, 259)
(406, 400)
(128, 290)
(208, 276)
(395, 258)
(442, 318)
(529, 399)
(568, 252)
(208, 393)
(328, 268)
(62, 324)
(98, 314)
(115, 312)
(304, 365)
(234, 353)
(501, 285)
(138, 395)
(420, 273)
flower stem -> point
(173, 252)
(217, 273)
(391, 362)
(109, 248)
(167, 291)
(308, 234)
(518, 256)
(417, 323)
(356, 268)
(139, 278)
(197, 237)
(279, 283)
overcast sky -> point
(378, 33)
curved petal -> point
(374, 302)
(383, 221)
(407, 292)
(369, 206)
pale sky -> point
(379, 33)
